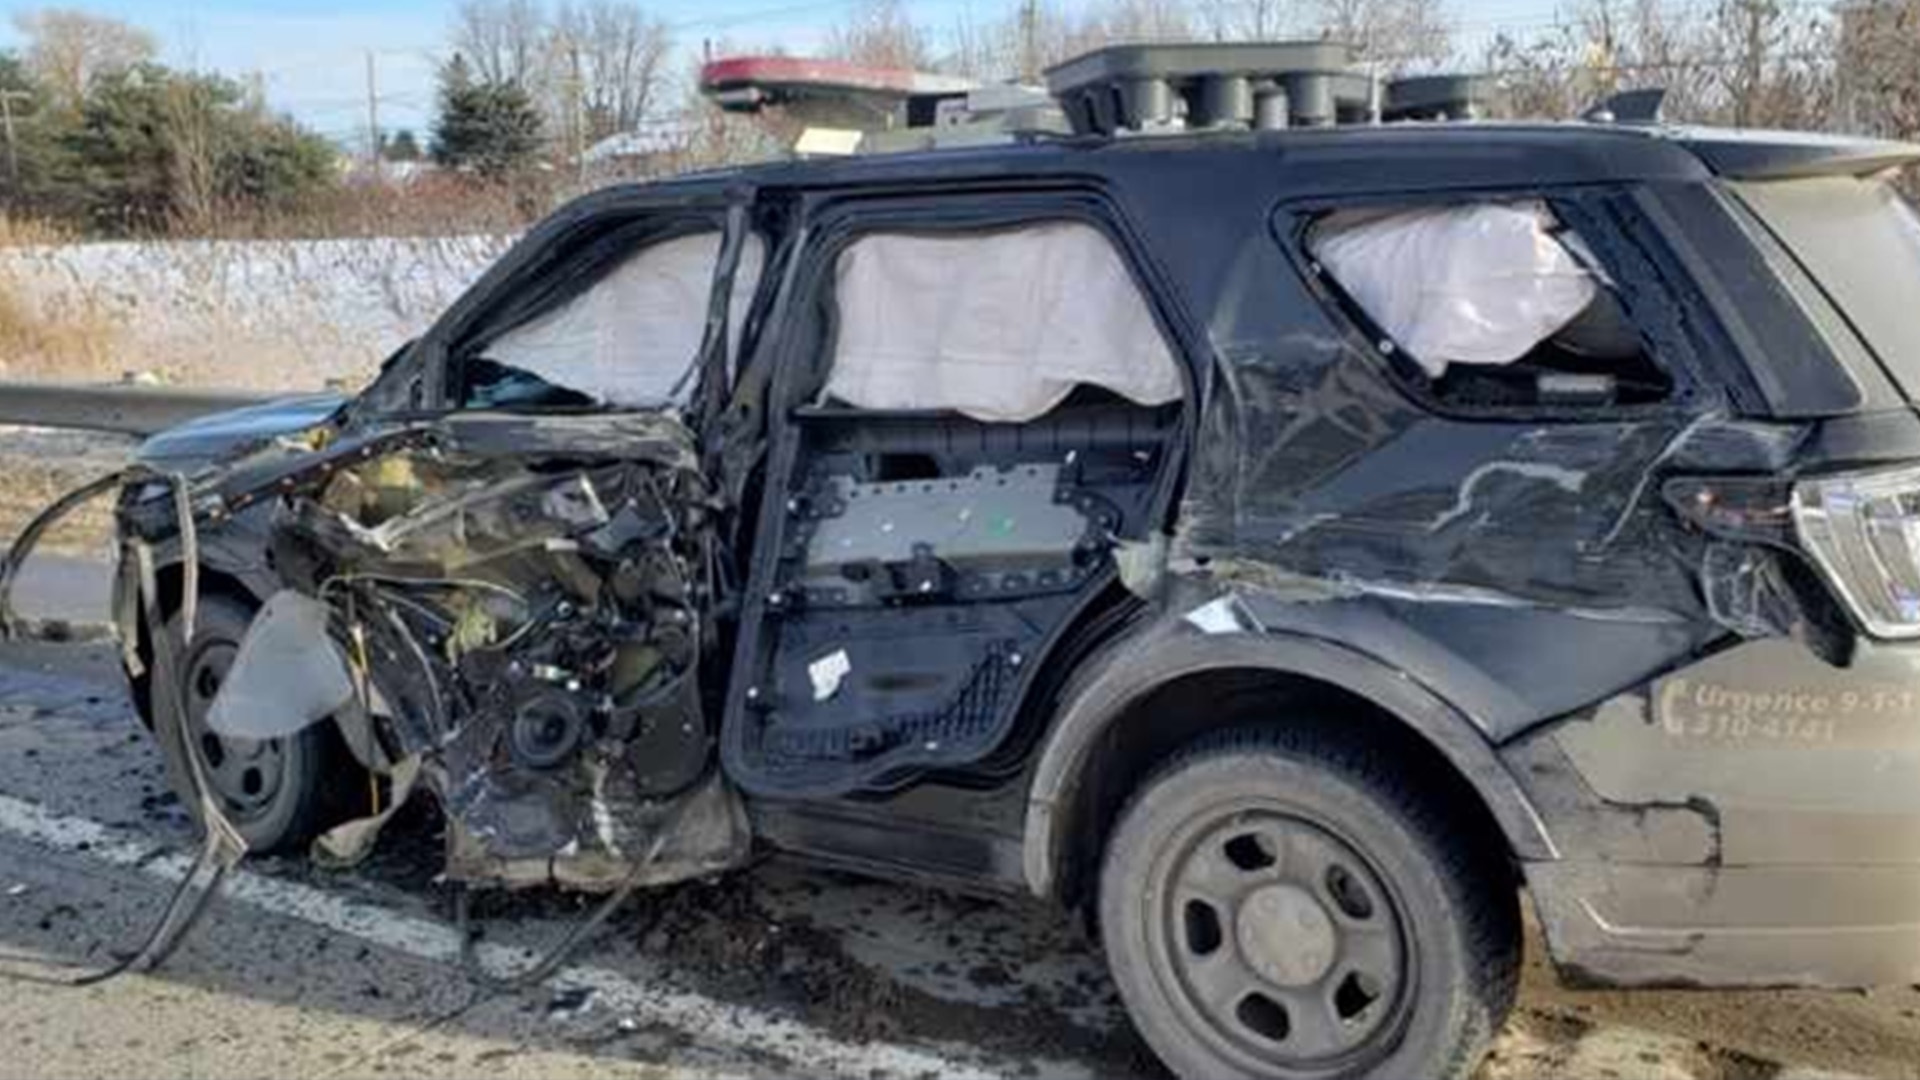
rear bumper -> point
(1825, 926)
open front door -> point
(513, 569)
(975, 405)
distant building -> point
(356, 170)
(648, 150)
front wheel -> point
(1275, 904)
(278, 793)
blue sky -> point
(311, 54)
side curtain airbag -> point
(999, 326)
(1478, 284)
(629, 340)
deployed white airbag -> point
(633, 335)
(999, 326)
(1480, 284)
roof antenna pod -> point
(1628, 107)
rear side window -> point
(1488, 304)
(1859, 241)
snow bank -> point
(267, 314)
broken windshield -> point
(1859, 239)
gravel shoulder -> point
(38, 465)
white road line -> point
(716, 1024)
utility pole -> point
(373, 117)
(1029, 42)
(577, 111)
(1373, 79)
(7, 98)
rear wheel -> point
(275, 791)
(1278, 904)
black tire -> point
(1282, 904)
(293, 781)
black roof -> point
(1356, 158)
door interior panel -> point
(925, 561)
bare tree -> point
(1540, 74)
(505, 41)
(977, 50)
(613, 60)
(1141, 20)
(1773, 63)
(879, 33)
(1742, 62)
(187, 126)
(1252, 20)
(1630, 44)
(1663, 47)
(1037, 36)
(1879, 67)
(1061, 35)
(67, 48)
(1395, 33)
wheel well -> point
(168, 578)
(1153, 727)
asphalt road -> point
(774, 971)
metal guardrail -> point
(131, 410)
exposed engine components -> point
(547, 729)
(531, 625)
(521, 606)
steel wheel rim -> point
(1279, 943)
(244, 774)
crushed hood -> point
(223, 435)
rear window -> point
(1489, 304)
(1859, 240)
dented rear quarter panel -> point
(1722, 804)
(1521, 565)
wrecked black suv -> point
(1284, 545)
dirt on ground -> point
(737, 938)
(749, 954)
(1704, 1034)
(733, 939)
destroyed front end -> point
(509, 612)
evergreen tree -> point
(403, 146)
(491, 129)
(27, 166)
(152, 149)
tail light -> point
(1863, 531)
